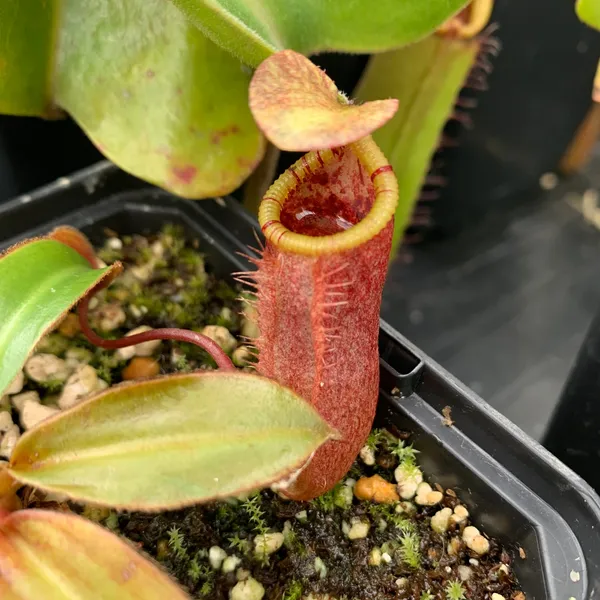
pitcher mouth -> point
(380, 177)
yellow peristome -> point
(383, 209)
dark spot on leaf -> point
(150, 73)
(185, 174)
(219, 134)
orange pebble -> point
(141, 367)
(69, 326)
(377, 489)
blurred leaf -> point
(171, 442)
(25, 56)
(299, 108)
(589, 12)
(40, 280)
(254, 29)
(426, 77)
(48, 555)
(156, 96)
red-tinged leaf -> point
(40, 280)
(298, 107)
(48, 555)
(172, 441)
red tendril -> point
(182, 335)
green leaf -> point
(254, 29)
(426, 77)
(59, 556)
(25, 52)
(154, 94)
(39, 281)
(172, 441)
(299, 108)
(589, 12)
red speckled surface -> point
(319, 316)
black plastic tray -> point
(515, 489)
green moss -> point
(105, 363)
(177, 543)
(253, 508)
(54, 343)
(455, 591)
(109, 255)
(112, 521)
(410, 550)
(293, 591)
(225, 292)
(328, 501)
(243, 546)
(426, 596)
(53, 386)
(377, 438)
(197, 572)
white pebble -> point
(548, 181)
(343, 497)
(77, 356)
(158, 249)
(350, 482)
(441, 520)
(301, 516)
(221, 335)
(34, 412)
(375, 557)
(82, 383)
(464, 572)
(231, 563)
(46, 367)
(401, 582)
(475, 541)
(480, 545)
(110, 317)
(6, 421)
(114, 243)
(19, 400)
(426, 496)
(267, 543)
(9, 440)
(454, 546)
(367, 455)
(345, 528)
(575, 576)
(16, 385)
(408, 481)
(469, 534)
(386, 558)
(359, 529)
(498, 596)
(460, 514)
(241, 356)
(504, 569)
(216, 556)
(474, 562)
(249, 589)
(320, 568)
